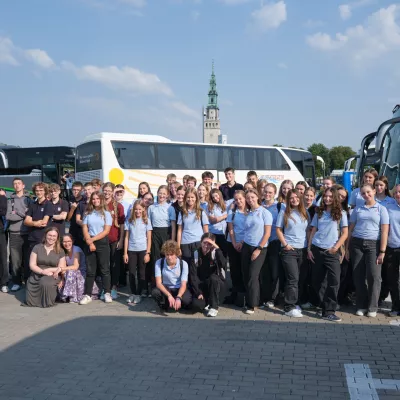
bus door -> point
(309, 172)
(368, 157)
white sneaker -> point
(207, 307)
(295, 313)
(85, 300)
(371, 314)
(306, 306)
(130, 299)
(4, 289)
(107, 298)
(249, 311)
(137, 299)
(15, 288)
(212, 312)
(270, 304)
(361, 312)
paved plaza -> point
(117, 352)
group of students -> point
(289, 245)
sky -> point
(292, 72)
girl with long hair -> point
(192, 223)
(173, 188)
(143, 188)
(301, 186)
(286, 185)
(368, 234)
(137, 245)
(356, 199)
(217, 213)
(383, 195)
(309, 200)
(96, 226)
(291, 230)
(177, 208)
(204, 195)
(325, 250)
(257, 232)
(260, 187)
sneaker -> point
(295, 313)
(107, 298)
(319, 313)
(371, 314)
(144, 293)
(102, 295)
(206, 308)
(332, 318)
(114, 294)
(15, 288)
(137, 300)
(212, 312)
(393, 313)
(85, 300)
(268, 304)
(130, 299)
(361, 312)
(298, 308)
(249, 311)
(307, 306)
(4, 289)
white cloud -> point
(345, 11)
(40, 58)
(7, 50)
(269, 16)
(183, 127)
(126, 78)
(282, 65)
(185, 110)
(379, 35)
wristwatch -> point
(259, 248)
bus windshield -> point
(391, 155)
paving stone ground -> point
(116, 352)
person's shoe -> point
(294, 313)
(307, 306)
(393, 313)
(4, 289)
(85, 300)
(144, 293)
(102, 295)
(319, 313)
(130, 299)
(249, 311)
(332, 318)
(268, 304)
(361, 312)
(207, 307)
(212, 312)
(298, 308)
(15, 288)
(114, 294)
(371, 314)
(137, 299)
(107, 298)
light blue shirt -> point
(159, 216)
(368, 221)
(327, 233)
(220, 227)
(356, 199)
(254, 226)
(96, 222)
(192, 229)
(238, 225)
(138, 234)
(171, 213)
(295, 233)
(228, 203)
(171, 277)
(273, 209)
(126, 206)
(203, 205)
(386, 201)
(394, 230)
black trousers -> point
(3, 259)
(98, 259)
(158, 237)
(270, 272)
(235, 267)
(346, 281)
(188, 251)
(19, 248)
(222, 244)
(115, 263)
(385, 280)
(211, 289)
(326, 278)
(137, 267)
(251, 274)
(296, 268)
(162, 300)
(366, 273)
(393, 269)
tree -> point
(338, 155)
(319, 149)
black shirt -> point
(38, 211)
(57, 209)
(229, 192)
(74, 228)
(3, 204)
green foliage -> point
(319, 149)
(338, 155)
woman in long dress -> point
(46, 261)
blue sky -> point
(293, 72)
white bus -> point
(129, 159)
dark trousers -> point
(3, 259)
(222, 244)
(235, 267)
(211, 289)
(385, 281)
(115, 263)
(393, 267)
(251, 274)
(98, 259)
(346, 282)
(188, 251)
(123, 271)
(270, 272)
(326, 267)
(158, 237)
(366, 273)
(137, 267)
(162, 300)
(295, 265)
(19, 248)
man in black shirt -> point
(74, 229)
(59, 209)
(229, 188)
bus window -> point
(175, 156)
(132, 155)
(207, 157)
(391, 156)
(88, 157)
(224, 158)
(271, 159)
(244, 158)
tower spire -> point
(213, 93)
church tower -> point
(211, 123)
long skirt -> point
(74, 286)
(41, 291)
